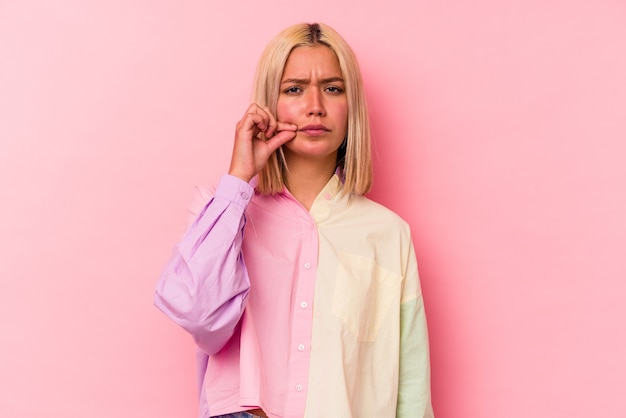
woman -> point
(302, 294)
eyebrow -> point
(306, 80)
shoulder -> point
(368, 206)
(377, 214)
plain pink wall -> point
(500, 137)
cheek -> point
(342, 113)
(284, 113)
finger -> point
(258, 115)
(252, 108)
(279, 139)
(284, 126)
(265, 113)
(254, 122)
(271, 122)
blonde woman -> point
(302, 295)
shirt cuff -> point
(235, 190)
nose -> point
(315, 103)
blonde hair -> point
(354, 161)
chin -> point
(312, 150)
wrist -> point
(243, 177)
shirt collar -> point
(327, 200)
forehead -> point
(305, 60)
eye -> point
(334, 90)
(293, 90)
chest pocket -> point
(364, 293)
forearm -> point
(204, 285)
(414, 376)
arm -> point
(414, 376)
(204, 286)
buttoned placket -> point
(303, 316)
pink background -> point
(500, 136)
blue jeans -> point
(243, 414)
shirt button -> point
(328, 196)
(298, 388)
(307, 265)
(301, 347)
(303, 305)
(244, 195)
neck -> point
(306, 178)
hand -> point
(250, 152)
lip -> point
(314, 130)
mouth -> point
(314, 130)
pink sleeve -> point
(203, 287)
(201, 197)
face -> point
(312, 96)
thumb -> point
(279, 139)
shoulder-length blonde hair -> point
(354, 161)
